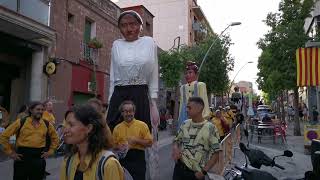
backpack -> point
(100, 168)
(48, 139)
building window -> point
(87, 31)
(148, 27)
(70, 18)
(89, 54)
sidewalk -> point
(165, 138)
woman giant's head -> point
(130, 25)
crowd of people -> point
(118, 141)
(86, 136)
(225, 119)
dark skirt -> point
(140, 97)
(135, 163)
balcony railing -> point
(89, 54)
(34, 9)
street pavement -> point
(295, 166)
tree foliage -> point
(171, 65)
(214, 71)
(277, 67)
(276, 64)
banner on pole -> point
(308, 66)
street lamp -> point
(249, 62)
(205, 56)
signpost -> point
(310, 132)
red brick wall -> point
(69, 37)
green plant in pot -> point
(95, 43)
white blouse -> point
(134, 63)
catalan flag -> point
(308, 66)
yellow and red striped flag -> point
(308, 66)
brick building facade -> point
(80, 66)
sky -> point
(250, 13)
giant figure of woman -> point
(134, 76)
(190, 89)
(133, 70)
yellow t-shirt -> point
(135, 128)
(112, 168)
(228, 116)
(30, 136)
(218, 125)
(49, 117)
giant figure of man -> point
(191, 89)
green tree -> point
(171, 67)
(219, 62)
(276, 64)
(215, 70)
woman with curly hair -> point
(87, 143)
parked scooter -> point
(256, 158)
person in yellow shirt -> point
(221, 124)
(86, 141)
(48, 113)
(31, 152)
(228, 115)
(132, 135)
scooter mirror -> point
(246, 133)
(287, 153)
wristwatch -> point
(204, 172)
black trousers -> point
(182, 172)
(31, 166)
(139, 94)
(135, 163)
